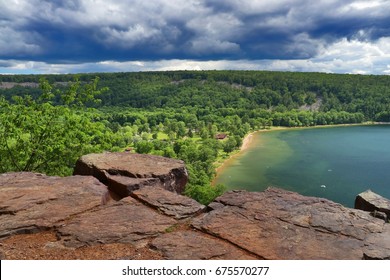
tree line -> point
(174, 114)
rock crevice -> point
(125, 172)
(374, 203)
(75, 217)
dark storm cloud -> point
(87, 31)
(275, 30)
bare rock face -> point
(125, 172)
(126, 221)
(171, 204)
(374, 203)
(31, 202)
(44, 217)
(278, 224)
(193, 245)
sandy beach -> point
(248, 139)
(246, 143)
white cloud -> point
(355, 56)
(128, 37)
(362, 5)
(374, 7)
(220, 25)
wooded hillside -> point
(47, 122)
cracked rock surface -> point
(126, 221)
(191, 244)
(31, 202)
(372, 202)
(125, 172)
(171, 204)
(278, 224)
(43, 217)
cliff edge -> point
(128, 206)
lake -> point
(336, 163)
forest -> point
(48, 121)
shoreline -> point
(246, 143)
(248, 139)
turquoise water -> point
(336, 163)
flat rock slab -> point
(31, 202)
(126, 221)
(115, 169)
(126, 185)
(171, 204)
(278, 224)
(193, 245)
(66, 214)
(370, 201)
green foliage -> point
(230, 145)
(174, 114)
(225, 90)
(204, 193)
(144, 147)
(38, 136)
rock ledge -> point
(374, 203)
(43, 217)
(125, 172)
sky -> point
(77, 36)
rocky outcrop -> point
(32, 202)
(195, 245)
(278, 224)
(44, 217)
(126, 221)
(125, 172)
(171, 204)
(374, 203)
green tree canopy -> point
(36, 135)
